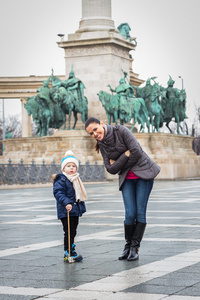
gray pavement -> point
(31, 247)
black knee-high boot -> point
(136, 240)
(128, 232)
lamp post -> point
(61, 36)
(183, 120)
(3, 125)
(182, 81)
(3, 120)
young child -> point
(70, 194)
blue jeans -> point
(135, 194)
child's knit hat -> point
(69, 157)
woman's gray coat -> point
(117, 140)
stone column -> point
(26, 120)
(96, 15)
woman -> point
(122, 154)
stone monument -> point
(98, 52)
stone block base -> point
(172, 152)
(51, 148)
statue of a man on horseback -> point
(51, 105)
(124, 105)
(124, 91)
(173, 105)
(151, 94)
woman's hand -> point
(127, 153)
(112, 161)
(68, 207)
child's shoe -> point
(66, 255)
(76, 257)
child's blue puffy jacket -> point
(65, 194)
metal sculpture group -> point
(150, 106)
(51, 105)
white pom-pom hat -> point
(69, 157)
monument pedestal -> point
(172, 152)
(98, 53)
(51, 148)
(97, 61)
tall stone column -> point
(26, 120)
(96, 15)
(98, 53)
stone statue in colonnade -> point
(51, 105)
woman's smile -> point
(96, 131)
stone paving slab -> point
(31, 248)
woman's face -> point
(96, 131)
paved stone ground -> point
(31, 246)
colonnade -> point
(22, 88)
(26, 120)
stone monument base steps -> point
(51, 148)
(172, 152)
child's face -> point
(70, 168)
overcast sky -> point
(167, 33)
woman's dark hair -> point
(91, 120)
(87, 123)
